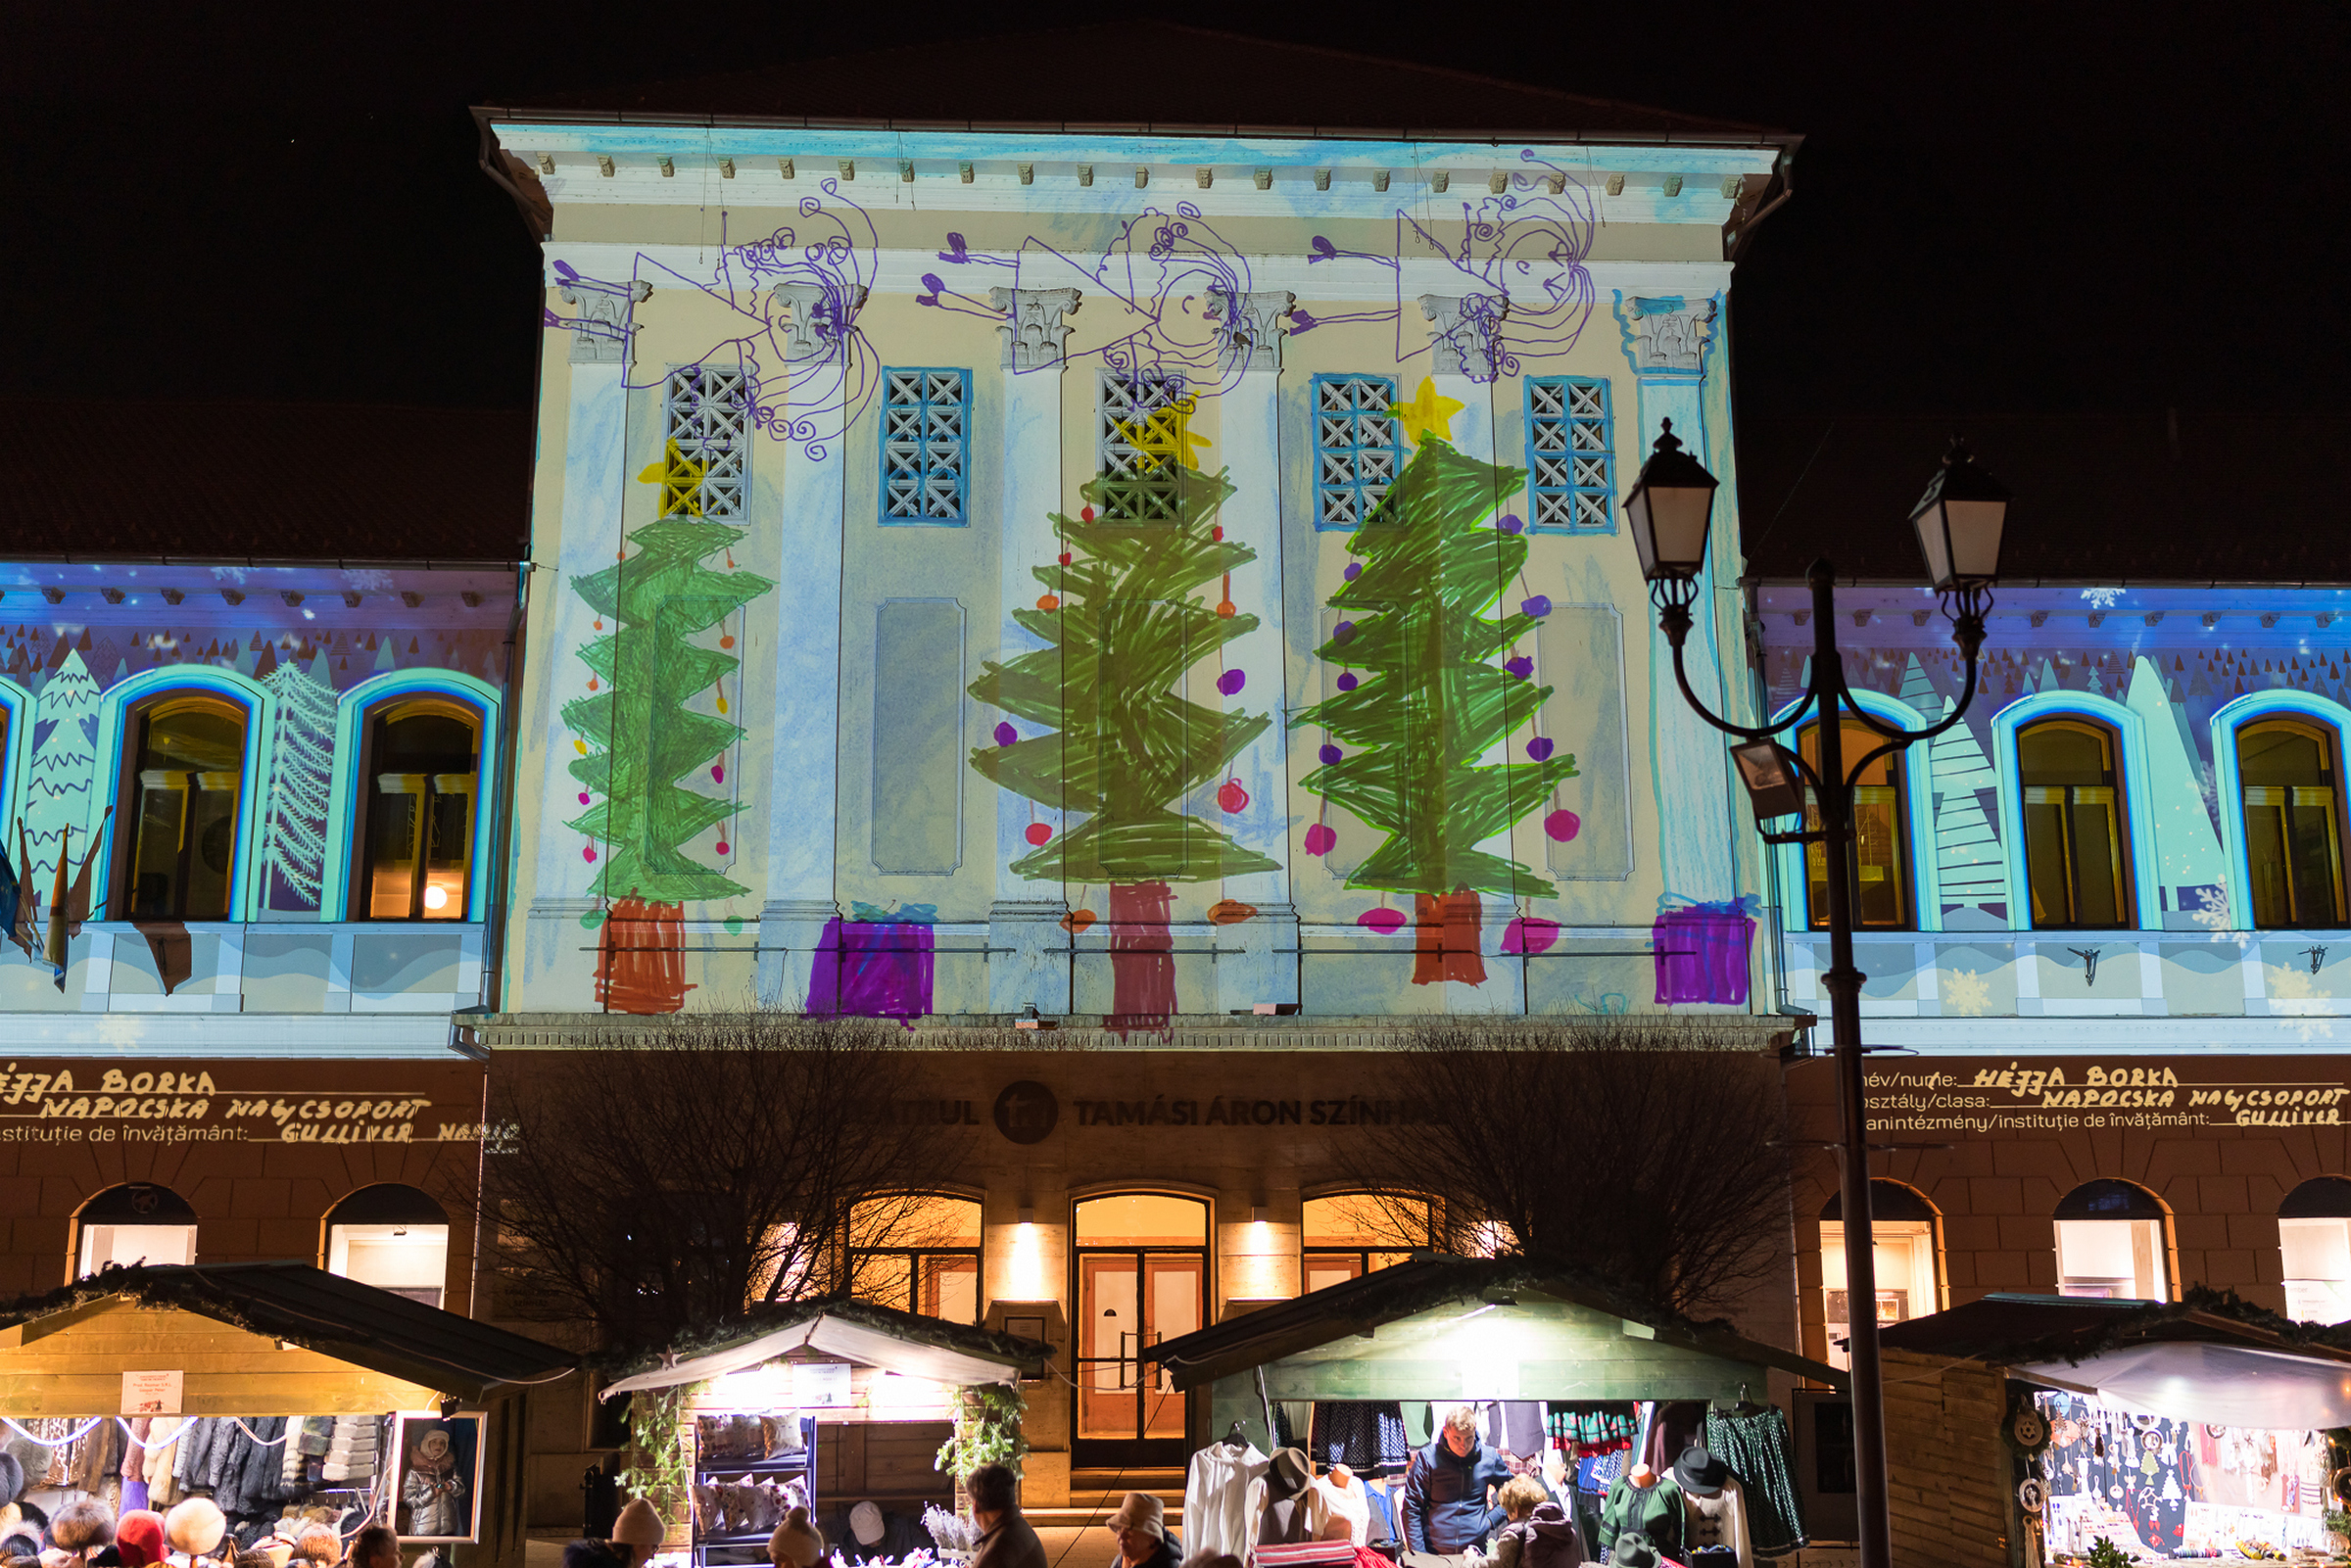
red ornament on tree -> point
(1231, 797)
(1037, 832)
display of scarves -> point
(1758, 1451)
(1365, 1436)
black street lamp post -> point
(1959, 523)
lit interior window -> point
(186, 790)
(421, 760)
(137, 1223)
(1909, 1284)
(2110, 1242)
(393, 1237)
(2313, 1232)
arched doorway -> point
(1142, 1277)
(393, 1237)
(137, 1222)
(2314, 1235)
(1901, 1223)
(2110, 1242)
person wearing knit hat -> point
(193, 1527)
(797, 1544)
(637, 1534)
(139, 1539)
(1141, 1528)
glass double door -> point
(1129, 1413)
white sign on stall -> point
(152, 1393)
(821, 1383)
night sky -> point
(1998, 207)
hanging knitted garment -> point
(1757, 1450)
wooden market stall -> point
(1591, 1371)
(337, 1390)
(839, 1406)
(2020, 1430)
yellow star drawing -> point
(679, 478)
(1167, 433)
(1429, 414)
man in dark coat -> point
(1007, 1540)
(1445, 1507)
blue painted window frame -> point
(347, 797)
(1339, 477)
(1918, 829)
(2144, 864)
(117, 753)
(2251, 708)
(929, 448)
(1570, 455)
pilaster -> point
(1028, 948)
(1668, 343)
(595, 442)
(1257, 959)
(804, 768)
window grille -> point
(1139, 442)
(926, 446)
(706, 449)
(1355, 447)
(1571, 455)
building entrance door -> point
(1142, 1277)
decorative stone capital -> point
(819, 319)
(1466, 334)
(1037, 329)
(601, 332)
(1255, 329)
(1667, 338)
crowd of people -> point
(193, 1533)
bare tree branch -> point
(708, 1164)
(1645, 1155)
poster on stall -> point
(436, 1476)
(2165, 1487)
(152, 1393)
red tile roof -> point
(1143, 76)
(263, 481)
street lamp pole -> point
(1958, 524)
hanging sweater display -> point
(1760, 1453)
(1585, 1429)
(1365, 1436)
(351, 1451)
(1215, 1494)
(1346, 1505)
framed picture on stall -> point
(436, 1475)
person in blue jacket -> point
(1445, 1507)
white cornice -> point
(899, 272)
(276, 1037)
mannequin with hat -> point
(1715, 1517)
(1284, 1506)
(1643, 1503)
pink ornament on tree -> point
(1563, 824)
(1384, 919)
(1321, 840)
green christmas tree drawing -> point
(1428, 702)
(642, 737)
(301, 764)
(58, 792)
(1123, 620)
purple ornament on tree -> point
(1539, 748)
(1347, 682)
(1231, 681)
(1355, 569)
(1537, 606)
(1509, 523)
(1329, 753)
(1006, 734)
(1343, 632)
(1521, 666)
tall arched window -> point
(2110, 1242)
(2077, 831)
(2314, 1233)
(1349, 1234)
(393, 1237)
(423, 774)
(1906, 1253)
(919, 1253)
(2285, 771)
(1881, 891)
(1142, 1277)
(137, 1222)
(180, 799)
